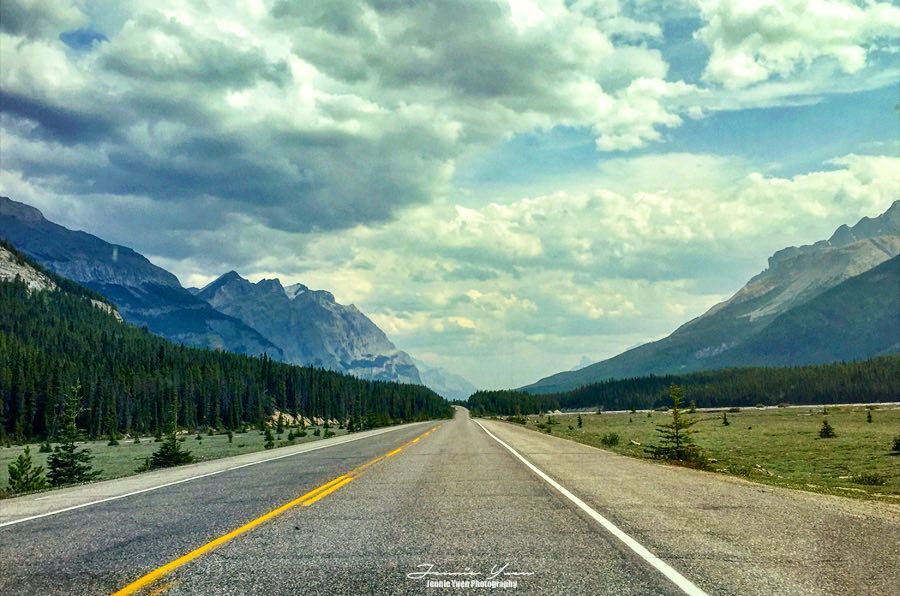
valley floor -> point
(777, 446)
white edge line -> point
(174, 482)
(679, 580)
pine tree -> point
(270, 439)
(67, 465)
(869, 416)
(725, 421)
(675, 436)
(580, 421)
(827, 431)
(24, 476)
(170, 452)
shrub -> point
(610, 439)
(725, 421)
(518, 419)
(270, 439)
(734, 410)
(869, 416)
(580, 421)
(870, 479)
(827, 431)
(317, 433)
(896, 446)
(45, 447)
(302, 433)
(328, 433)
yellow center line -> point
(327, 492)
(320, 492)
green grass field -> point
(778, 446)
(124, 459)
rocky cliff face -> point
(311, 328)
(796, 276)
(12, 268)
(143, 293)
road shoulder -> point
(740, 536)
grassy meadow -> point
(779, 446)
(123, 459)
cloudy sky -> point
(504, 186)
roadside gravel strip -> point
(676, 578)
(35, 506)
(728, 535)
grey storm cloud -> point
(304, 116)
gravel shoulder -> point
(729, 535)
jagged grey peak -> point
(311, 328)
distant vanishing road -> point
(416, 508)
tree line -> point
(874, 380)
(129, 378)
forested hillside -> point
(875, 380)
(50, 340)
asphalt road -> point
(366, 516)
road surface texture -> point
(372, 515)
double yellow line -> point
(306, 500)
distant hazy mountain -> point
(311, 328)
(764, 322)
(443, 382)
(143, 293)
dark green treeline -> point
(49, 341)
(875, 380)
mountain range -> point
(837, 299)
(311, 328)
(291, 324)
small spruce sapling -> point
(869, 416)
(725, 421)
(580, 421)
(675, 438)
(270, 439)
(68, 465)
(827, 431)
(24, 476)
(170, 452)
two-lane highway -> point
(462, 505)
(449, 501)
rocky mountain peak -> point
(886, 224)
(295, 290)
(20, 211)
